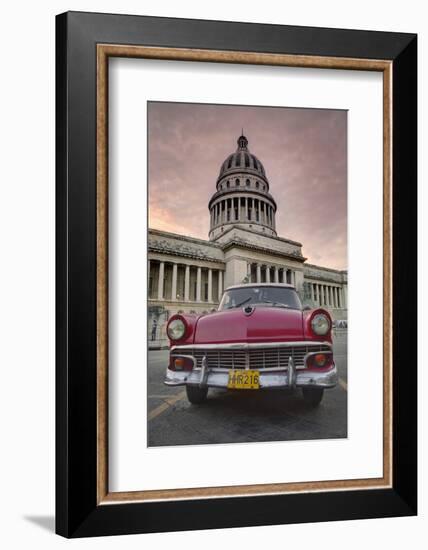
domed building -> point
(187, 275)
(242, 196)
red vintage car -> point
(260, 338)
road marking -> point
(166, 405)
(343, 384)
(163, 396)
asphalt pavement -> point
(243, 415)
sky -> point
(304, 153)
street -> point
(243, 415)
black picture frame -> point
(77, 511)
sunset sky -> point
(303, 151)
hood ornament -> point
(248, 310)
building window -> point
(238, 159)
(228, 184)
(248, 183)
(257, 184)
(237, 182)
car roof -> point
(246, 285)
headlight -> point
(320, 324)
(176, 329)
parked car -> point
(261, 338)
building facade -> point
(188, 275)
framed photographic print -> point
(236, 274)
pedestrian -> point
(154, 327)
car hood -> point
(264, 324)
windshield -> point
(266, 295)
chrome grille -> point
(257, 358)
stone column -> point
(259, 273)
(210, 285)
(267, 274)
(249, 272)
(220, 284)
(148, 278)
(186, 283)
(246, 209)
(312, 292)
(174, 282)
(276, 274)
(198, 283)
(160, 280)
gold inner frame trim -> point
(104, 51)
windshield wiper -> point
(243, 302)
(277, 304)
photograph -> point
(247, 311)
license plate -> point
(243, 379)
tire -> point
(313, 396)
(196, 395)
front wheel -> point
(313, 396)
(196, 395)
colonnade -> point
(172, 295)
(242, 209)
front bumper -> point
(288, 377)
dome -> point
(242, 160)
(242, 198)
